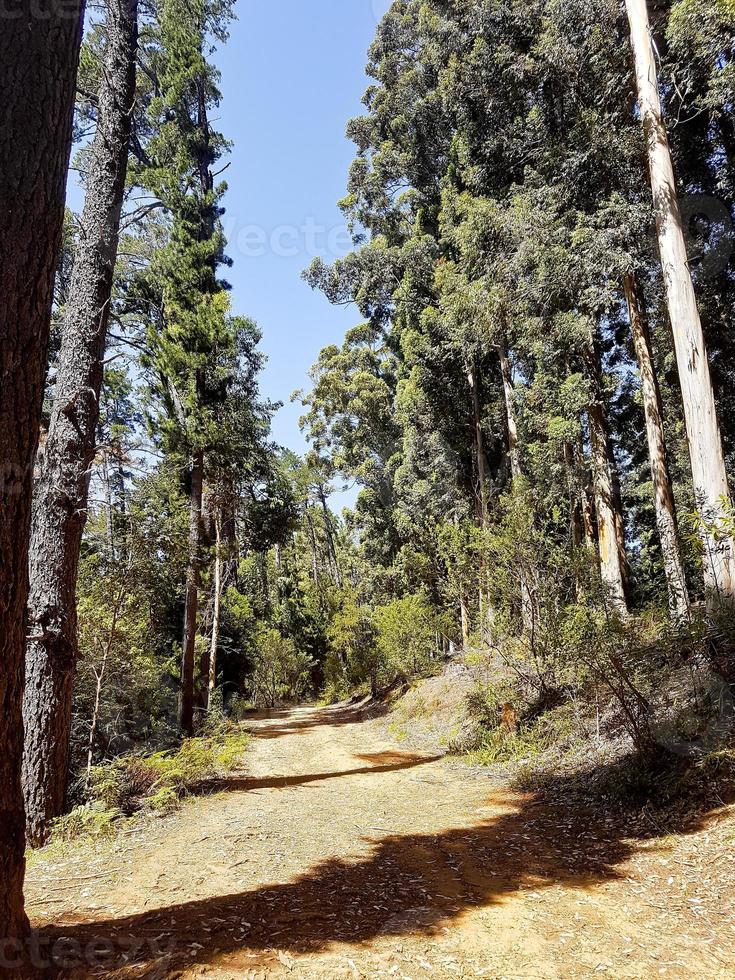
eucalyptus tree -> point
(711, 487)
(350, 419)
(665, 504)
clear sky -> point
(293, 73)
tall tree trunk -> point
(580, 521)
(229, 534)
(510, 415)
(38, 65)
(589, 517)
(609, 519)
(329, 530)
(191, 604)
(576, 522)
(109, 506)
(465, 620)
(312, 539)
(216, 615)
(118, 477)
(62, 485)
(516, 473)
(663, 492)
(486, 611)
(207, 226)
(478, 444)
(99, 677)
(711, 488)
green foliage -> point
(158, 782)
(91, 820)
(353, 658)
(701, 525)
(281, 674)
(700, 33)
(409, 637)
(497, 200)
(130, 575)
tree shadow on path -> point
(408, 884)
(281, 722)
(384, 762)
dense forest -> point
(533, 411)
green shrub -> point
(408, 637)
(93, 820)
(281, 674)
(157, 782)
(354, 658)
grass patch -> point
(398, 733)
(517, 739)
(155, 783)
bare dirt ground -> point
(337, 854)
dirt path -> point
(338, 855)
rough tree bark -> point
(62, 484)
(39, 54)
(666, 521)
(711, 488)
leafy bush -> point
(507, 727)
(409, 630)
(92, 820)
(281, 673)
(158, 782)
(354, 657)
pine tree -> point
(38, 67)
(61, 490)
(193, 323)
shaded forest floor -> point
(340, 854)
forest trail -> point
(339, 854)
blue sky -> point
(293, 73)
